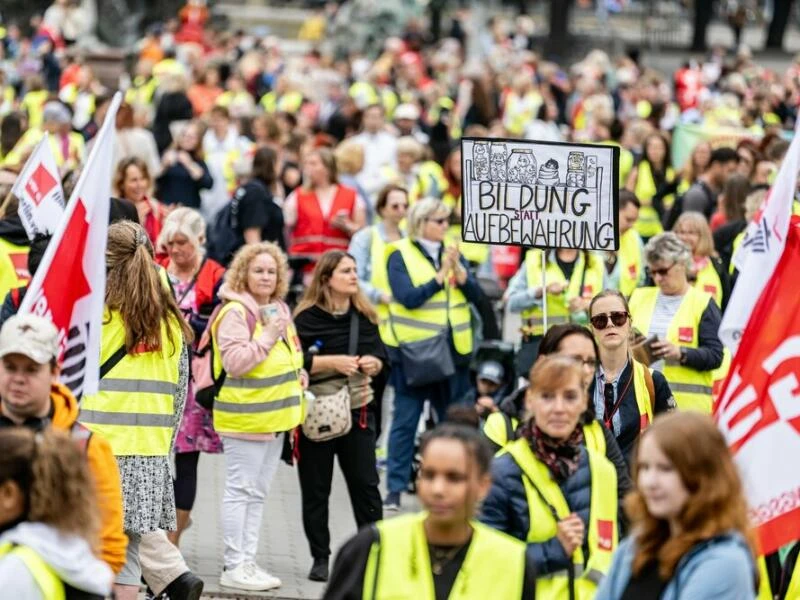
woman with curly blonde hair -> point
(258, 360)
(690, 534)
(49, 518)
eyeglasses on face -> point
(661, 272)
(587, 363)
(440, 221)
(618, 318)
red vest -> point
(313, 234)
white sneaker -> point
(245, 577)
(263, 572)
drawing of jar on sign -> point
(521, 167)
(480, 161)
(497, 164)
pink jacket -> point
(240, 351)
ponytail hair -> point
(53, 475)
(134, 288)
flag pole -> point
(544, 289)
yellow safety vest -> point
(545, 497)
(475, 253)
(33, 103)
(793, 591)
(13, 266)
(691, 388)
(379, 278)
(708, 281)
(228, 97)
(649, 223)
(433, 180)
(364, 94)
(267, 399)
(142, 91)
(69, 94)
(519, 111)
(47, 580)
(498, 426)
(167, 66)
(643, 402)
(7, 100)
(737, 241)
(134, 407)
(290, 102)
(76, 150)
(557, 306)
(625, 161)
(629, 257)
(399, 565)
(446, 307)
(764, 587)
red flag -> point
(69, 286)
(759, 408)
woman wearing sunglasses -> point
(627, 394)
(680, 322)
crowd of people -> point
(286, 282)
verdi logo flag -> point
(69, 286)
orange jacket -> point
(103, 465)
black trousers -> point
(356, 453)
(185, 482)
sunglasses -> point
(441, 221)
(617, 318)
(661, 272)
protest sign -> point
(686, 137)
(540, 194)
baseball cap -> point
(491, 370)
(406, 111)
(31, 336)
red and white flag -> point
(38, 187)
(759, 407)
(69, 286)
(761, 248)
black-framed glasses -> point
(589, 363)
(661, 272)
(440, 221)
(618, 318)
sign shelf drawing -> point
(540, 194)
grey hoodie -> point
(69, 555)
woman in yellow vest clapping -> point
(261, 397)
(707, 273)
(573, 277)
(692, 538)
(144, 374)
(442, 552)
(627, 394)
(368, 247)
(554, 492)
(49, 519)
(683, 321)
(646, 178)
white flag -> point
(761, 248)
(38, 187)
(69, 286)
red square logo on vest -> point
(685, 334)
(710, 289)
(588, 290)
(605, 535)
(632, 270)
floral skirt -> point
(196, 432)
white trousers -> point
(250, 468)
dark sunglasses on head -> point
(618, 319)
(441, 221)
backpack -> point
(207, 386)
(224, 237)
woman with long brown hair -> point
(691, 537)
(338, 329)
(133, 183)
(144, 373)
(48, 518)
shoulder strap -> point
(353, 343)
(192, 283)
(113, 360)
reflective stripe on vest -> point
(691, 388)
(446, 307)
(629, 257)
(557, 305)
(267, 399)
(708, 281)
(399, 565)
(649, 222)
(603, 529)
(642, 394)
(134, 406)
(47, 580)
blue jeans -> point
(408, 403)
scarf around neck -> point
(560, 456)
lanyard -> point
(607, 419)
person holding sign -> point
(430, 331)
(553, 491)
(573, 277)
(680, 322)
